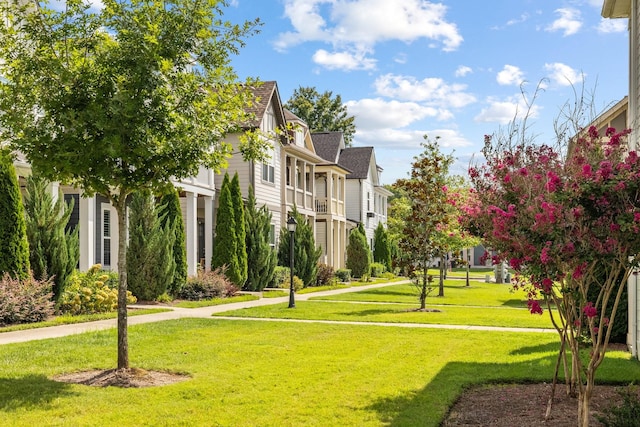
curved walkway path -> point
(207, 312)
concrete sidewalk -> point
(207, 312)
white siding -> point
(353, 200)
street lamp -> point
(291, 226)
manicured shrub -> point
(262, 259)
(377, 269)
(305, 252)
(297, 283)
(225, 248)
(280, 274)
(343, 274)
(208, 285)
(14, 247)
(240, 230)
(150, 261)
(24, 300)
(171, 214)
(326, 275)
(358, 253)
(381, 247)
(53, 252)
(93, 291)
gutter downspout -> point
(634, 52)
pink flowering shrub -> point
(563, 223)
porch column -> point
(208, 231)
(86, 232)
(191, 231)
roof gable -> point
(266, 93)
(359, 160)
(328, 145)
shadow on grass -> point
(31, 391)
(373, 312)
(430, 405)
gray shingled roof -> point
(327, 145)
(357, 160)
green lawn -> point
(215, 301)
(248, 373)
(455, 293)
(398, 313)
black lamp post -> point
(291, 226)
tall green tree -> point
(426, 191)
(171, 216)
(358, 253)
(14, 247)
(53, 252)
(240, 230)
(225, 248)
(305, 252)
(262, 258)
(150, 262)
(381, 248)
(121, 99)
(322, 112)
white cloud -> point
(569, 21)
(343, 60)
(396, 139)
(613, 25)
(504, 111)
(563, 75)
(510, 75)
(363, 23)
(377, 113)
(433, 91)
(463, 70)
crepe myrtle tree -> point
(425, 189)
(121, 99)
(569, 225)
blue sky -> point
(453, 69)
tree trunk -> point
(443, 268)
(423, 291)
(123, 340)
(584, 400)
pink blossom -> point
(534, 306)
(547, 284)
(590, 311)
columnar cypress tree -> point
(261, 256)
(381, 247)
(238, 215)
(225, 251)
(150, 262)
(53, 252)
(306, 254)
(358, 253)
(14, 247)
(172, 214)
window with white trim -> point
(268, 168)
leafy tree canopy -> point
(322, 112)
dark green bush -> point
(14, 247)
(171, 215)
(208, 285)
(24, 300)
(343, 274)
(358, 253)
(326, 275)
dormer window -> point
(269, 120)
